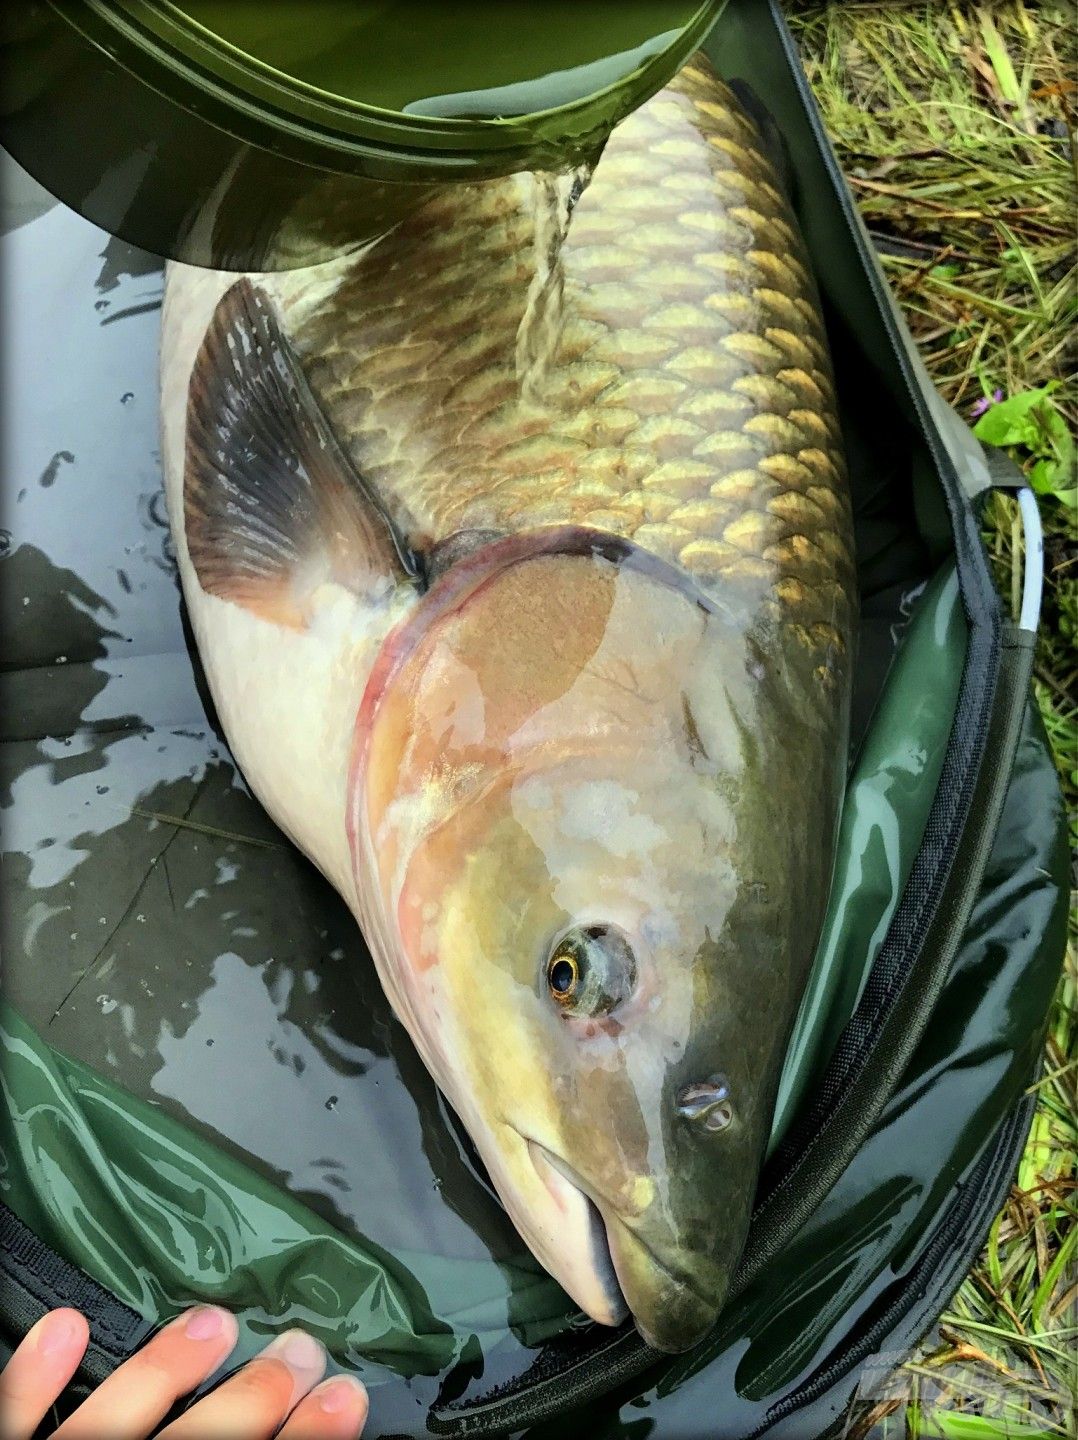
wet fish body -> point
(550, 681)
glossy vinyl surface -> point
(174, 939)
(883, 820)
(476, 61)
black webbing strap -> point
(34, 1279)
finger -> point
(134, 1399)
(334, 1410)
(251, 1404)
(37, 1373)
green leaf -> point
(1043, 477)
(1016, 421)
(1059, 1269)
(995, 1267)
(951, 1425)
(1032, 423)
(996, 47)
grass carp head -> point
(591, 821)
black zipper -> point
(933, 1281)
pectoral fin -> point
(273, 507)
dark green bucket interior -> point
(249, 136)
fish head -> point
(591, 906)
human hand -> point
(279, 1385)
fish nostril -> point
(706, 1103)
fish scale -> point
(690, 406)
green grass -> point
(955, 125)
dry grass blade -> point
(181, 822)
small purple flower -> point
(986, 403)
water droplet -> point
(540, 330)
(127, 397)
(5, 541)
(331, 1103)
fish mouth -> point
(668, 1309)
(597, 1292)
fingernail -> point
(204, 1323)
(60, 1333)
(300, 1352)
(343, 1393)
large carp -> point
(550, 682)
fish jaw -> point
(612, 1270)
(570, 1238)
(670, 1313)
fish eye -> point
(563, 974)
(590, 970)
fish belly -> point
(287, 699)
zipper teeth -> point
(968, 1218)
(851, 1066)
(29, 1265)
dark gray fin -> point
(272, 505)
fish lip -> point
(599, 1232)
(609, 1216)
(566, 1171)
(677, 1277)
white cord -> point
(1033, 579)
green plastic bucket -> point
(259, 137)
